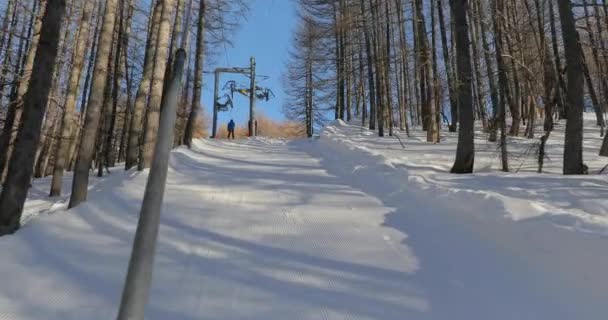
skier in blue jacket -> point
(231, 126)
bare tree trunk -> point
(108, 110)
(370, 71)
(135, 131)
(448, 70)
(19, 175)
(7, 20)
(573, 147)
(129, 83)
(10, 20)
(599, 116)
(594, 51)
(41, 167)
(198, 77)
(380, 95)
(477, 72)
(65, 140)
(503, 82)
(156, 88)
(604, 147)
(427, 88)
(349, 74)
(109, 152)
(437, 101)
(561, 85)
(182, 115)
(388, 63)
(79, 118)
(465, 152)
(515, 101)
(479, 10)
(44, 134)
(10, 132)
(93, 113)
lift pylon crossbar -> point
(245, 71)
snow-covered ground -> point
(346, 226)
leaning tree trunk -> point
(8, 30)
(604, 148)
(17, 71)
(79, 118)
(143, 90)
(62, 151)
(9, 133)
(198, 76)
(19, 175)
(93, 113)
(573, 147)
(6, 21)
(156, 89)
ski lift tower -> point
(246, 71)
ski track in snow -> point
(250, 230)
(312, 229)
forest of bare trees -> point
(81, 81)
(514, 67)
(81, 84)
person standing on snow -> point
(231, 126)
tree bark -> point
(573, 147)
(561, 85)
(93, 113)
(14, 191)
(8, 30)
(370, 70)
(136, 126)
(448, 70)
(156, 88)
(503, 83)
(10, 132)
(465, 152)
(198, 76)
(65, 140)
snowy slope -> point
(347, 226)
(496, 246)
(577, 202)
(251, 230)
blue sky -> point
(266, 35)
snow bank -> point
(573, 202)
(499, 246)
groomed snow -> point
(346, 226)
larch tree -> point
(198, 75)
(302, 79)
(16, 186)
(11, 126)
(161, 55)
(465, 152)
(95, 102)
(573, 147)
(141, 98)
(67, 120)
